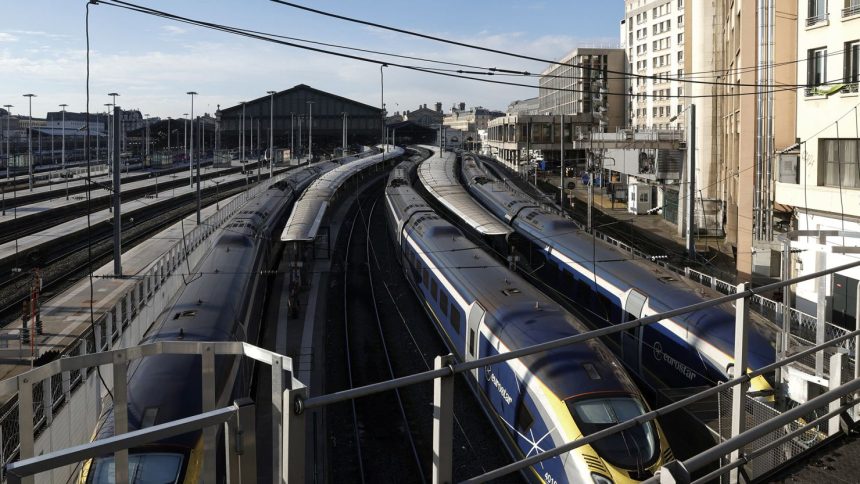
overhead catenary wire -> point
(245, 33)
(495, 51)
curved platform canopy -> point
(309, 210)
(439, 177)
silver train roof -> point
(310, 209)
(439, 177)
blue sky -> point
(153, 62)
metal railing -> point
(851, 10)
(239, 417)
(817, 19)
(290, 405)
(113, 324)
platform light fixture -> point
(191, 150)
(271, 129)
(30, 140)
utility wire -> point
(496, 51)
(240, 32)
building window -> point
(852, 7)
(680, 38)
(680, 4)
(852, 65)
(816, 69)
(838, 161)
(816, 12)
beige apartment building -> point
(819, 182)
(743, 49)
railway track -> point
(382, 438)
(394, 432)
(67, 263)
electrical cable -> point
(240, 32)
(487, 49)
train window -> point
(629, 449)
(455, 318)
(443, 302)
(524, 418)
(434, 289)
(472, 342)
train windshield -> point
(147, 468)
(634, 448)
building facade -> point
(293, 109)
(654, 38)
(425, 116)
(567, 87)
(819, 181)
(741, 119)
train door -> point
(631, 339)
(476, 314)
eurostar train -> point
(541, 401)
(689, 350)
(223, 303)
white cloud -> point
(7, 37)
(173, 29)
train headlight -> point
(599, 479)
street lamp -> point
(8, 153)
(146, 148)
(242, 133)
(30, 139)
(108, 149)
(63, 155)
(116, 156)
(343, 150)
(168, 137)
(382, 104)
(271, 129)
(185, 133)
(191, 161)
(310, 131)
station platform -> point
(67, 315)
(14, 248)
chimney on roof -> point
(438, 107)
(462, 106)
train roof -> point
(309, 210)
(519, 315)
(439, 177)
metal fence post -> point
(240, 444)
(294, 433)
(820, 310)
(48, 401)
(443, 421)
(742, 315)
(856, 409)
(207, 368)
(836, 362)
(278, 400)
(25, 421)
(120, 414)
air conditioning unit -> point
(682, 145)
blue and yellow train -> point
(612, 286)
(541, 401)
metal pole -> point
(739, 391)
(343, 151)
(292, 136)
(191, 161)
(242, 134)
(63, 155)
(310, 131)
(30, 141)
(821, 309)
(443, 421)
(271, 130)
(691, 179)
(117, 204)
(561, 151)
(382, 107)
